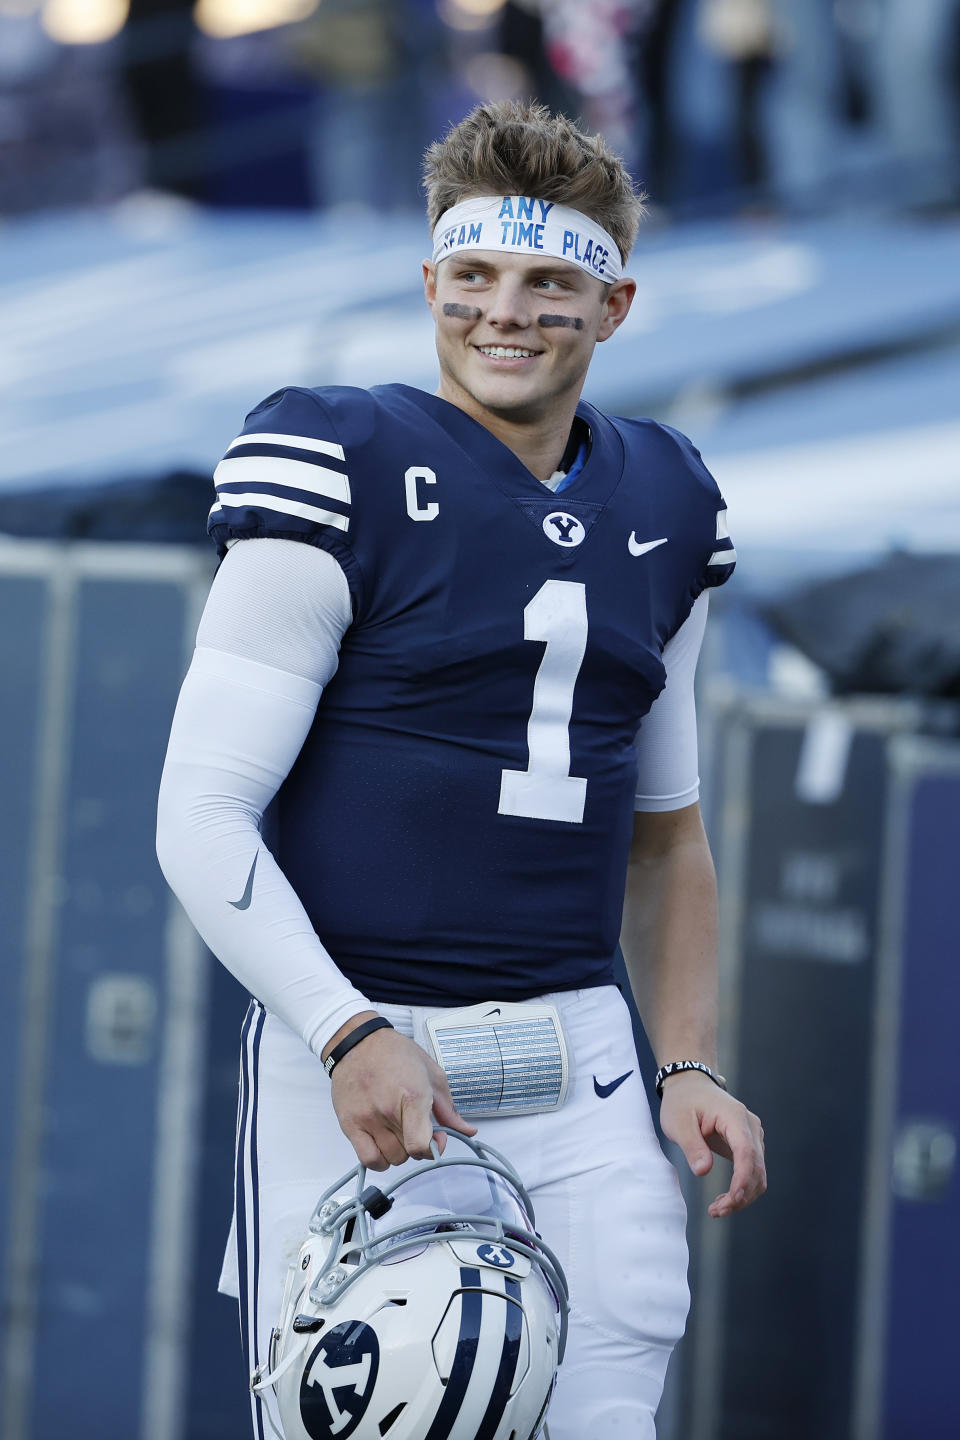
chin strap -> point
(264, 1376)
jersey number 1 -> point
(546, 790)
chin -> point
(509, 404)
(513, 397)
(506, 397)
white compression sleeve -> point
(667, 773)
(239, 725)
(279, 602)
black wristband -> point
(354, 1038)
(676, 1067)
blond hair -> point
(516, 147)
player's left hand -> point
(700, 1117)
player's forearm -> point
(230, 747)
(669, 935)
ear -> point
(430, 282)
(616, 306)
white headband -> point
(527, 227)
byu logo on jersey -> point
(563, 529)
(338, 1381)
(497, 1255)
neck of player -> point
(537, 439)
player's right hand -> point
(388, 1095)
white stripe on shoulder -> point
(296, 442)
(723, 557)
(287, 507)
(723, 525)
(272, 470)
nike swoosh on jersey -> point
(244, 902)
(604, 1090)
(640, 547)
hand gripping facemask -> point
(424, 1309)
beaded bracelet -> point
(354, 1038)
(675, 1067)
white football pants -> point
(607, 1201)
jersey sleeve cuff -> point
(657, 804)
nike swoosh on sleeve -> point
(244, 902)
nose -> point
(508, 308)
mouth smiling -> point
(507, 352)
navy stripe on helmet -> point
(468, 1343)
(509, 1357)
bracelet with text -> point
(354, 1038)
(676, 1067)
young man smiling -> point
(515, 333)
(460, 656)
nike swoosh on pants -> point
(604, 1090)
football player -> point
(451, 644)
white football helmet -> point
(424, 1309)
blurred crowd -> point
(719, 106)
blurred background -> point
(180, 181)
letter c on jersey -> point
(415, 510)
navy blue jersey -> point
(458, 822)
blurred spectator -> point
(591, 49)
(257, 113)
(163, 93)
(654, 57)
(579, 59)
(26, 49)
(64, 135)
(27, 58)
(744, 33)
(520, 36)
(371, 60)
(918, 96)
(805, 119)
